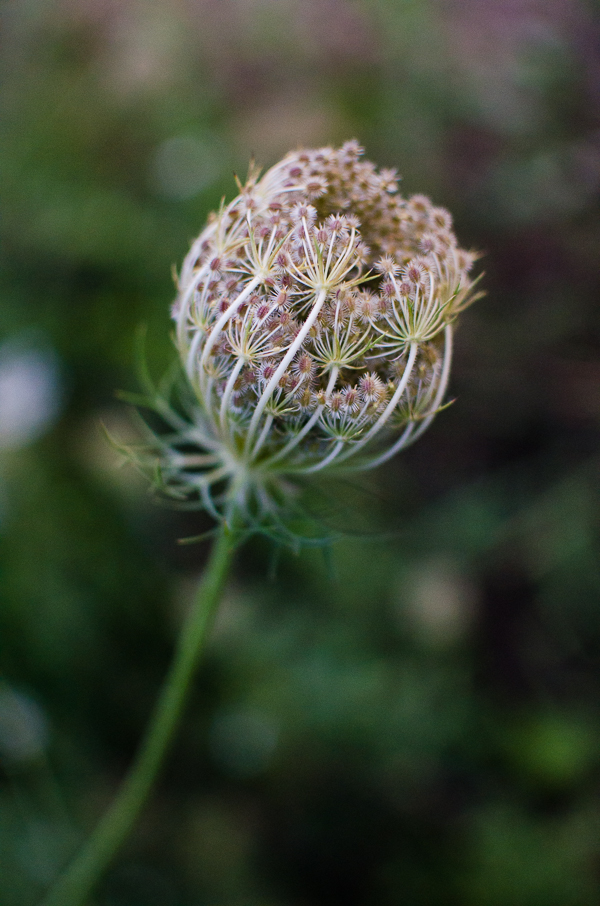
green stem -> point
(77, 882)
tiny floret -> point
(314, 322)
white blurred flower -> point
(30, 393)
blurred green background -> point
(416, 722)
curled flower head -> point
(314, 322)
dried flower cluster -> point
(314, 320)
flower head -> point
(314, 322)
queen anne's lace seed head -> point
(314, 320)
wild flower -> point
(314, 321)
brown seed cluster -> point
(314, 316)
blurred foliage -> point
(415, 720)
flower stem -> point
(75, 885)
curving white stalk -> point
(273, 382)
(389, 409)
